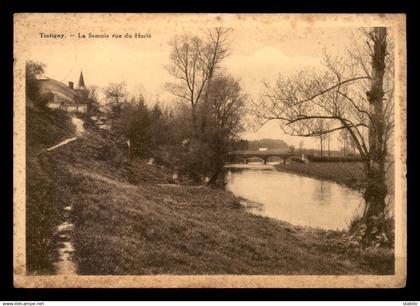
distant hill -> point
(270, 144)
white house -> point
(65, 97)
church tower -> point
(81, 84)
(81, 89)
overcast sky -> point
(258, 52)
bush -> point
(42, 100)
(357, 230)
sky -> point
(258, 52)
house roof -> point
(58, 88)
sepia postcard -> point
(209, 150)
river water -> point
(293, 198)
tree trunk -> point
(320, 138)
(205, 111)
(194, 130)
(376, 189)
(329, 149)
(218, 158)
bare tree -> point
(217, 50)
(193, 63)
(321, 128)
(115, 95)
(345, 138)
(350, 95)
(348, 145)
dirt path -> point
(80, 130)
(65, 264)
(62, 143)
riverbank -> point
(129, 218)
(140, 227)
(176, 230)
(349, 174)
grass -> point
(349, 174)
(345, 173)
(125, 222)
(43, 129)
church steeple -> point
(81, 81)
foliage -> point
(136, 126)
(223, 120)
(32, 71)
(93, 99)
(215, 100)
(147, 129)
(116, 96)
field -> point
(129, 218)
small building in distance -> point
(65, 97)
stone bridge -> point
(265, 155)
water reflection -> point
(322, 194)
(293, 198)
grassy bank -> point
(129, 219)
(345, 173)
(349, 174)
(153, 229)
(43, 130)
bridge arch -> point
(245, 156)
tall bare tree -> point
(193, 63)
(350, 95)
(321, 128)
(217, 50)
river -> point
(293, 198)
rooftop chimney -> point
(71, 85)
